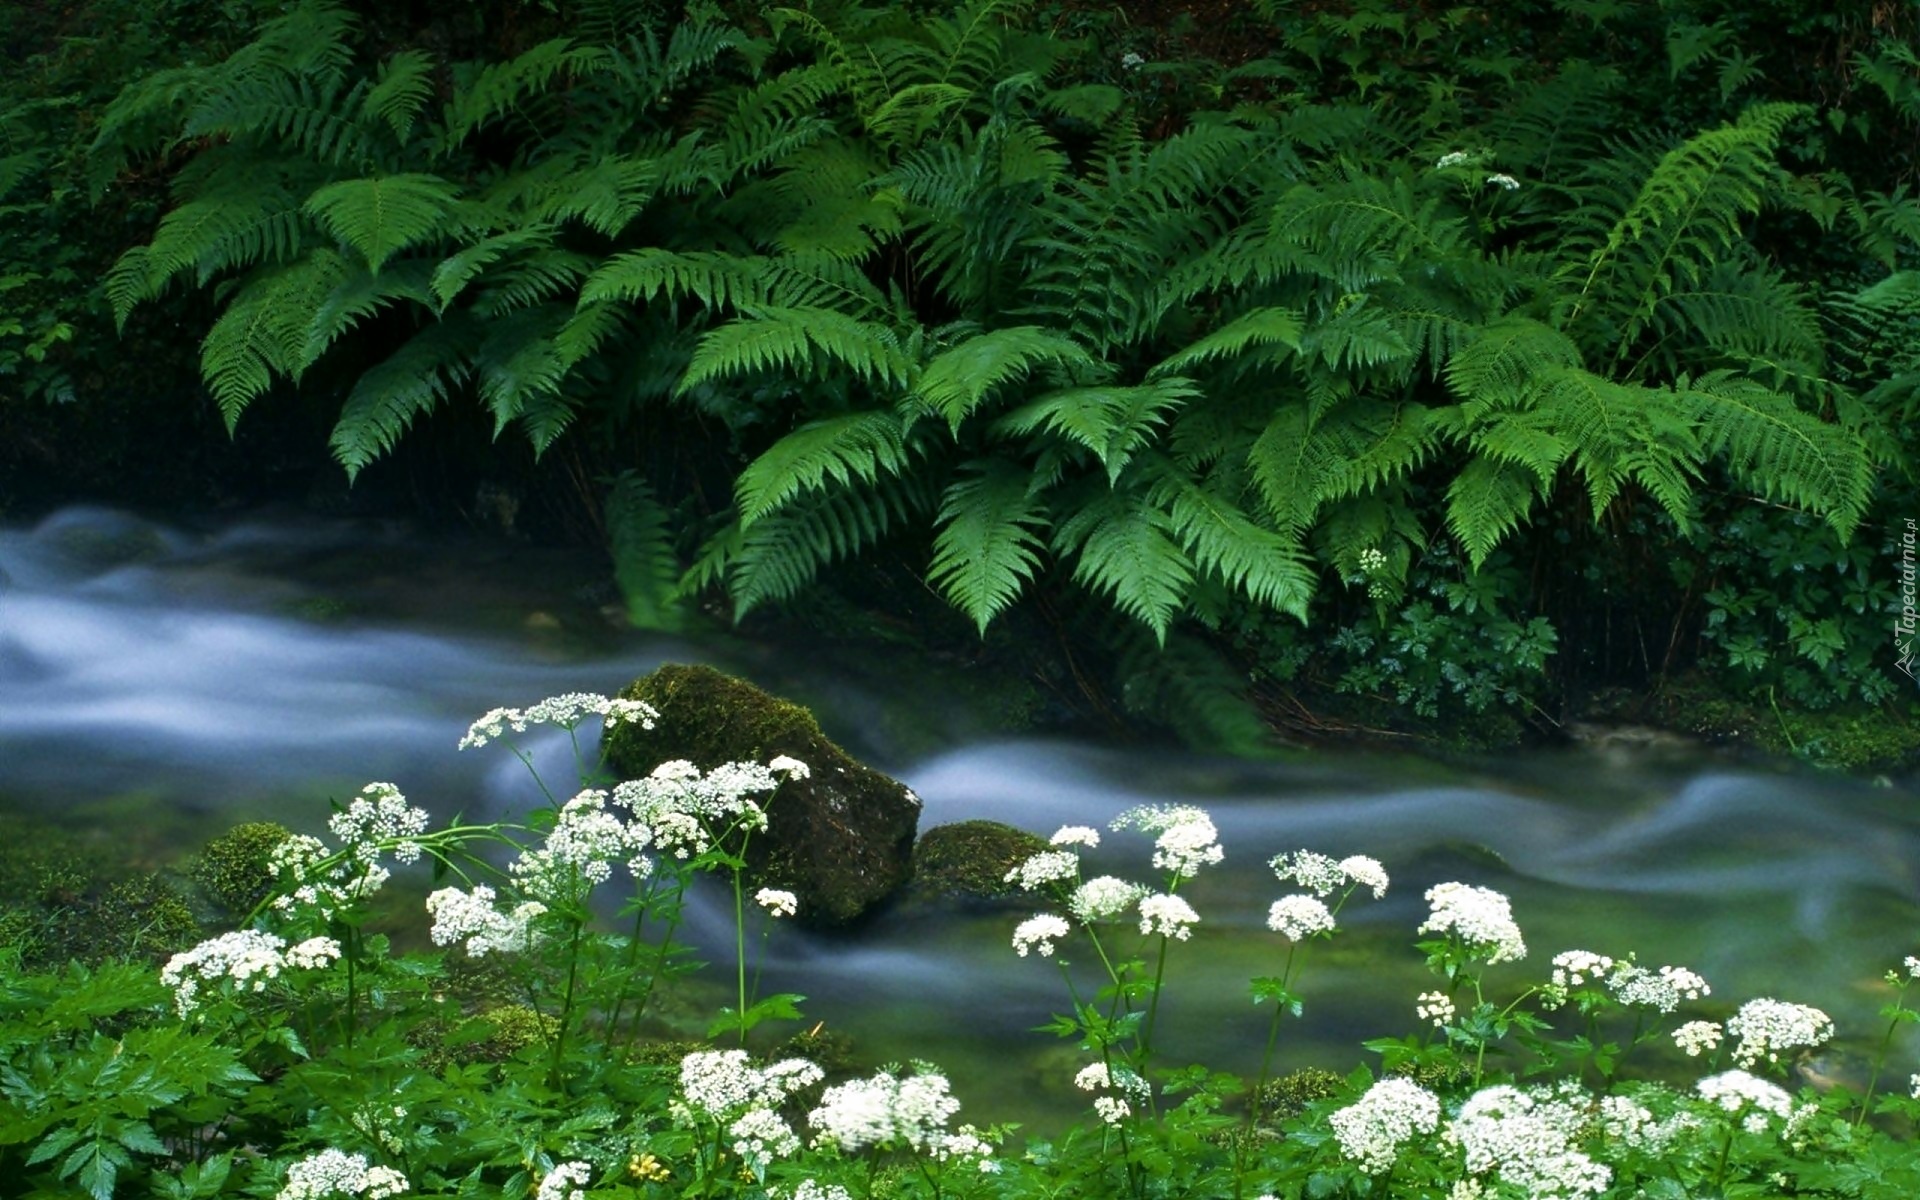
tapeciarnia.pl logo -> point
(1903, 627)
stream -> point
(163, 682)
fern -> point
(1259, 329)
(1113, 422)
(392, 393)
(987, 547)
(958, 380)
(1125, 549)
(1784, 453)
(1266, 567)
(861, 446)
(773, 338)
(379, 217)
(780, 555)
(401, 91)
(1486, 501)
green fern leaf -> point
(987, 549)
(864, 446)
(391, 394)
(1113, 422)
(773, 338)
(782, 554)
(402, 90)
(1125, 551)
(1266, 567)
(958, 380)
(1486, 501)
(1782, 452)
(639, 536)
(458, 270)
(381, 216)
(1261, 328)
(356, 297)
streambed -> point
(175, 680)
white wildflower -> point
(584, 843)
(1480, 917)
(1372, 559)
(1436, 1007)
(1504, 182)
(1766, 1027)
(1167, 915)
(789, 766)
(245, 956)
(1453, 159)
(1526, 1139)
(380, 814)
(719, 1084)
(810, 1190)
(1734, 1091)
(566, 1182)
(1662, 990)
(1366, 872)
(1187, 839)
(1913, 1087)
(776, 902)
(1039, 932)
(1048, 866)
(1103, 898)
(1131, 61)
(1075, 835)
(1320, 874)
(1297, 918)
(566, 711)
(1372, 1129)
(314, 954)
(1571, 968)
(471, 917)
(336, 1173)
(1697, 1037)
(1111, 1109)
(886, 1110)
(759, 1136)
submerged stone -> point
(840, 839)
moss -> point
(841, 839)
(1289, 1095)
(145, 917)
(233, 869)
(1862, 740)
(967, 862)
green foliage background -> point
(1459, 361)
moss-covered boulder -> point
(840, 839)
(965, 864)
(235, 869)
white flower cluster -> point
(1039, 932)
(1048, 866)
(335, 1173)
(1913, 967)
(380, 814)
(566, 1182)
(812, 1190)
(1372, 1129)
(1298, 918)
(565, 711)
(1187, 839)
(1572, 968)
(1075, 835)
(1697, 1037)
(1436, 1007)
(1372, 559)
(778, 903)
(584, 843)
(1632, 1124)
(723, 1087)
(1454, 158)
(472, 917)
(246, 957)
(681, 807)
(1737, 1091)
(890, 1110)
(1120, 1089)
(1322, 875)
(1481, 918)
(1167, 915)
(1103, 898)
(1526, 1139)
(316, 890)
(1766, 1027)
(1663, 989)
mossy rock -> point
(841, 839)
(965, 864)
(235, 870)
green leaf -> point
(1125, 551)
(383, 215)
(987, 547)
(958, 380)
(1113, 422)
(861, 446)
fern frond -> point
(1194, 689)
(781, 554)
(864, 446)
(1125, 550)
(401, 91)
(1113, 422)
(605, 196)
(640, 540)
(1780, 451)
(958, 380)
(391, 394)
(1266, 567)
(1497, 367)
(715, 278)
(1486, 501)
(383, 215)
(502, 87)
(987, 547)
(359, 296)
(520, 364)
(773, 338)
(263, 330)
(458, 270)
(1259, 329)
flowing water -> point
(161, 682)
